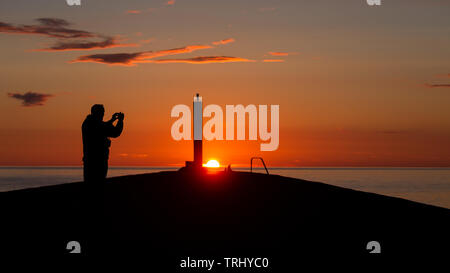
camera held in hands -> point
(119, 116)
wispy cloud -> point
(205, 60)
(224, 41)
(107, 42)
(180, 50)
(131, 59)
(50, 27)
(136, 57)
(278, 53)
(69, 38)
(273, 61)
(31, 98)
(437, 85)
(112, 58)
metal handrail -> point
(262, 160)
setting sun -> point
(212, 164)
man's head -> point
(98, 111)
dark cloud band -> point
(31, 98)
(107, 42)
(51, 27)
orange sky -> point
(356, 85)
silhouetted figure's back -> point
(96, 143)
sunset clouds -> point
(205, 59)
(130, 59)
(114, 58)
(284, 54)
(278, 54)
(50, 27)
(136, 57)
(31, 98)
(107, 42)
(273, 61)
(180, 50)
(224, 41)
(68, 38)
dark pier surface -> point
(170, 215)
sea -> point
(425, 185)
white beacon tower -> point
(198, 132)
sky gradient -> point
(357, 85)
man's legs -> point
(95, 172)
(94, 177)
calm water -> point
(426, 185)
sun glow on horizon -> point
(212, 164)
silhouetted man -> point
(96, 143)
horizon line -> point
(237, 167)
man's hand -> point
(120, 116)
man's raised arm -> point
(115, 131)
